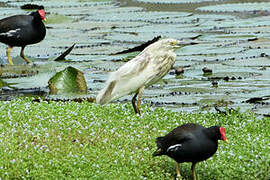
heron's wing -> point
(127, 79)
(132, 68)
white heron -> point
(154, 62)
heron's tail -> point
(105, 95)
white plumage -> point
(147, 68)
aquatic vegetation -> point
(234, 42)
(174, 1)
(40, 139)
(237, 7)
(70, 80)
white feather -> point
(10, 33)
(174, 147)
(148, 67)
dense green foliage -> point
(84, 140)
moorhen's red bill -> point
(22, 30)
(190, 143)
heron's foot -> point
(135, 107)
(139, 100)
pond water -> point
(234, 44)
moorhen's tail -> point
(159, 150)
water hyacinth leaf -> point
(67, 81)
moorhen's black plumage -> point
(22, 30)
(190, 143)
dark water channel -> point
(234, 38)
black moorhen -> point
(190, 143)
(22, 30)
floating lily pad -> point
(173, 1)
(262, 109)
(2, 83)
(158, 29)
(57, 19)
(16, 71)
(67, 81)
(237, 7)
(238, 23)
(136, 16)
(62, 3)
(81, 11)
(140, 47)
(258, 62)
(139, 38)
(235, 47)
(8, 11)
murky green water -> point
(234, 38)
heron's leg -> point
(193, 171)
(139, 99)
(23, 56)
(8, 55)
(178, 176)
(134, 103)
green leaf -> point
(67, 81)
(2, 83)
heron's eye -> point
(173, 43)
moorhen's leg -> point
(178, 176)
(8, 55)
(24, 57)
(193, 171)
(139, 99)
(134, 103)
